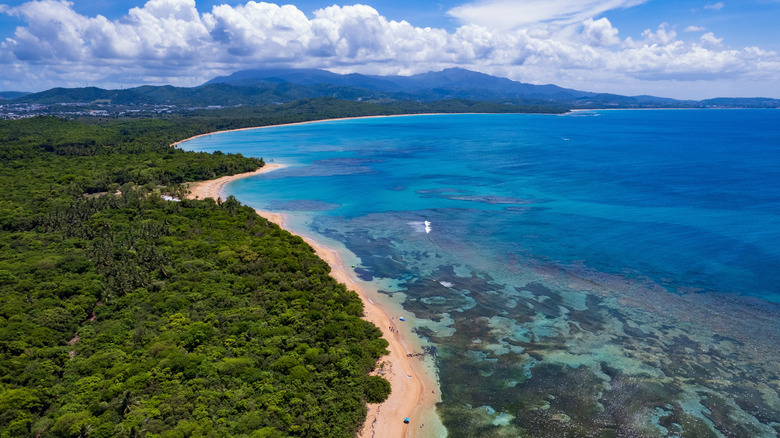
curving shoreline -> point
(302, 123)
(415, 390)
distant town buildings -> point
(14, 111)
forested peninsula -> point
(123, 314)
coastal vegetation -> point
(123, 314)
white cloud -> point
(600, 32)
(709, 40)
(509, 14)
(54, 31)
(716, 6)
(258, 30)
(663, 35)
(170, 42)
(694, 29)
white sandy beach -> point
(415, 391)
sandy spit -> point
(305, 123)
(415, 390)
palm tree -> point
(135, 432)
(126, 403)
(85, 430)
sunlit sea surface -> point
(605, 273)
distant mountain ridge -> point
(270, 86)
(449, 83)
(12, 94)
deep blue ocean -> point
(599, 273)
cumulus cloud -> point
(170, 41)
(663, 36)
(600, 32)
(709, 40)
(54, 31)
(694, 29)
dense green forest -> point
(122, 314)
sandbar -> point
(213, 188)
(415, 390)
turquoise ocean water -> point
(604, 273)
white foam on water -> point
(421, 226)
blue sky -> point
(682, 49)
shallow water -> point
(605, 273)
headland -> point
(415, 390)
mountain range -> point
(268, 86)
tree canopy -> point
(122, 314)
